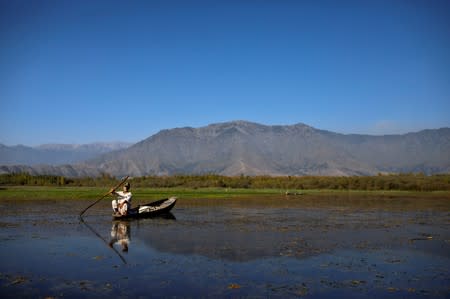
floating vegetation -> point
(314, 247)
(234, 286)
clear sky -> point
(86, 71)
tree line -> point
(407, 182)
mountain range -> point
(241, 147)
(56, 154)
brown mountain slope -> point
(241, 147)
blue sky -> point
(86, 71)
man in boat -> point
(122, 204)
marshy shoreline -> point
(274, 246)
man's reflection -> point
(120, 234)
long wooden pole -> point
(118, 185)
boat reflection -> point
(121, 231)
(168, 216)
(120, 234)
(101, 238)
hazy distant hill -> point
(240, 147)
(55, 154)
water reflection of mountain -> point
(230, 234)
(229, 245)
(227, 240)
(257, 234)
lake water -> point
(281, 247)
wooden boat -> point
(152, 209)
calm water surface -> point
(285, 247)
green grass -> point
(92, 193)
(61, 193)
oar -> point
(123, 181)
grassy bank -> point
(394, 182)
(92, 193)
